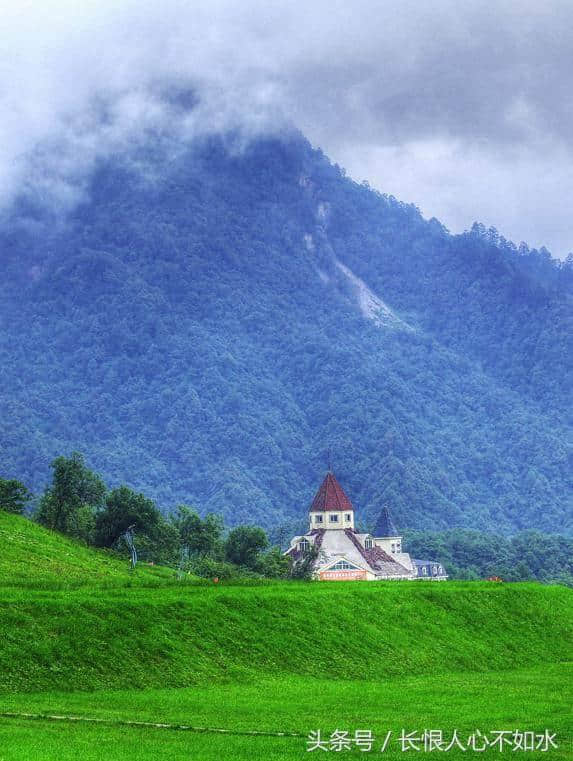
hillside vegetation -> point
(35, 557)
(84, 657)
(199, 329)
(532, 698)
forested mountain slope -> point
(205, 326)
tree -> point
(163, 547)
(521, 572)
(13, 496)
(123, 508)
(199, 536)
(244, 545)
(303, 568)
(70, 503)
(275, 565)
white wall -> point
(390, 544)
(327, 524)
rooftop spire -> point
(330, 496)
(385, 525)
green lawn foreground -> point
(528, 700)
(80, 635)
(90, 638)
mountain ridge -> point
(200, 336)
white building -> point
(343, 554)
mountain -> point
(208, 322)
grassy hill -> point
(76, 618)
(532, 699)
(35, 557)
(92, 639)
(82, 638)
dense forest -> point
(470, 554)
(208, 323)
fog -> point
(463, 108)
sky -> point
(463, 107)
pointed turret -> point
(385, 525)
(331, 508)
(330, 496)
(387, 537)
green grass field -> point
(287, 657)
(34, 557)
(532, 699)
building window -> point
(342, 565)
(368, 544)
(348, 516)
(393, 548)
(398, 547)
(334, 518)
(425, 571)
(304, 545)
(318, 518)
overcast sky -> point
(463, 107)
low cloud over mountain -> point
(462, 108)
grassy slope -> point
(91, 639)
(284, 657)
(33, 556)
(290, 702)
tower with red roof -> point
(331, 509)
(340, 553)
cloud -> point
(462, 107)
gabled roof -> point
(330, 496)
(385, 525)
(376, 558)
(294, 551)
(337, 545)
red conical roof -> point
(330, 496)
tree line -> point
(77, 503)
(526, 556)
